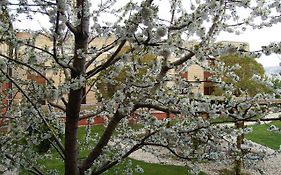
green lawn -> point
(259, 135)
(156, 169)
(149, 168)
(264, 137)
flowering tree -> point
(248, 68)
(153, 85)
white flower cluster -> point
(161, 31)
(77, 83)
(147, 14)
(247, 130)
(233, 76)
(273, 128)
(272, 48)
(3, 65)
(139, 169)
(193, 133)
(165, 53)
(52, 94)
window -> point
(208, 90)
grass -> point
(156, 169)
(264, 137)
(149, 168)
(259, 135)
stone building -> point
(195, 73)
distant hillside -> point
(272, 70)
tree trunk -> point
(71, 150)
(75, 96)
(239, 162)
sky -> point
(258, 38)
(255, 38)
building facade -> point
(195, 73)
(198, 75)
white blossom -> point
(146, 13)
(131, 60)
(161, 31)
(165, 53)
(3, 65)
(138, 169)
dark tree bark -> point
(75, 96)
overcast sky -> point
(258, 38)
(255, 38)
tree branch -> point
(37, 110)
(109, 62)
(160, 108)
(57, 106)
(102, 50)
(63, 65)
(35, 70)
(33, 169)
(86, 116)
(97, 151)
(38, 48)
(108, 165)
(71, 27)
(167, 147)
(183, 59)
